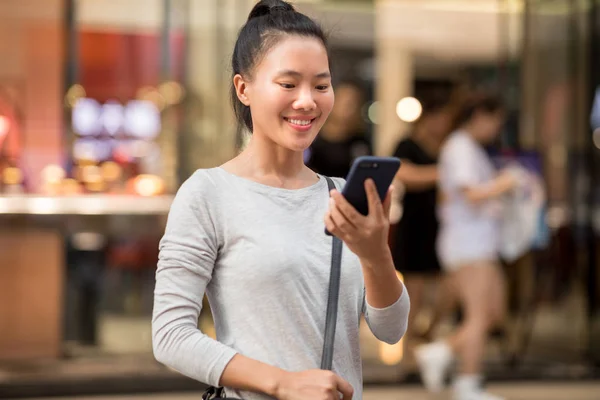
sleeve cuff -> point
(219, 366)
(389, 324)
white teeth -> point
(300, 121)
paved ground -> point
(517, 391)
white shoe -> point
(433, 360)
(468, 387)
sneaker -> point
(433, 361)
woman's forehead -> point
(297, 56)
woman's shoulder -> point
(202, 178)
(200, 185)
(456, 141)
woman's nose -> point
(305, 101)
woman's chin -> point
(299, 145)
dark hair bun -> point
(267, 7)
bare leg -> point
(479, 288)
(497, 297)
(474, 284)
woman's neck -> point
(472, 132)
(428, 142)
(266, 162)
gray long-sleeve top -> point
(261, 256)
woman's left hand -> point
(365, 235)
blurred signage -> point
(114, 130)
(137, 119)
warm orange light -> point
(95, 186)
(153, 95)
(4, 126)
(391, 354)
(400, 276)
(12, 176)
(53, 173)
(171, 91)
(91, 174)
(111, 171)
(74, 93)
(71, 187)
(148, 185)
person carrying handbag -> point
(250, 234)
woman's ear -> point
(241, 89)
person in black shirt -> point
(413, 244)
(343, 137)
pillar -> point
(394, 79)
(211, 127)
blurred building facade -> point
(106, 106)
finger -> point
(373, 198)
(347, 209)
(340, 220)
(345, 388)
(387, 203)
(330, 225)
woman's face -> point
(348, 102)
(289, 94)
(489, 125)
(439, 123)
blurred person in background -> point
(250, 234)
(414, 240)
(468, 246)
(343, 137)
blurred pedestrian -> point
(468, 245)
(344, 135)
(414, 241)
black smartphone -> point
(381, 169)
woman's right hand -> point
(507, 180)
(315, 384)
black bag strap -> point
(334, 294)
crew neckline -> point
(261, 187)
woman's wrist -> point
(245, 373)
(273, 381)
(379, 260)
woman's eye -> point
(322, 87)
(286, 85)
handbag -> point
(217, 393)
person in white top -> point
(468, 244)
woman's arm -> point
(188, 250)
(417, 177)
(386, 302)
(496, 188)
(252, 375)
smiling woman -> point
(250, 234)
